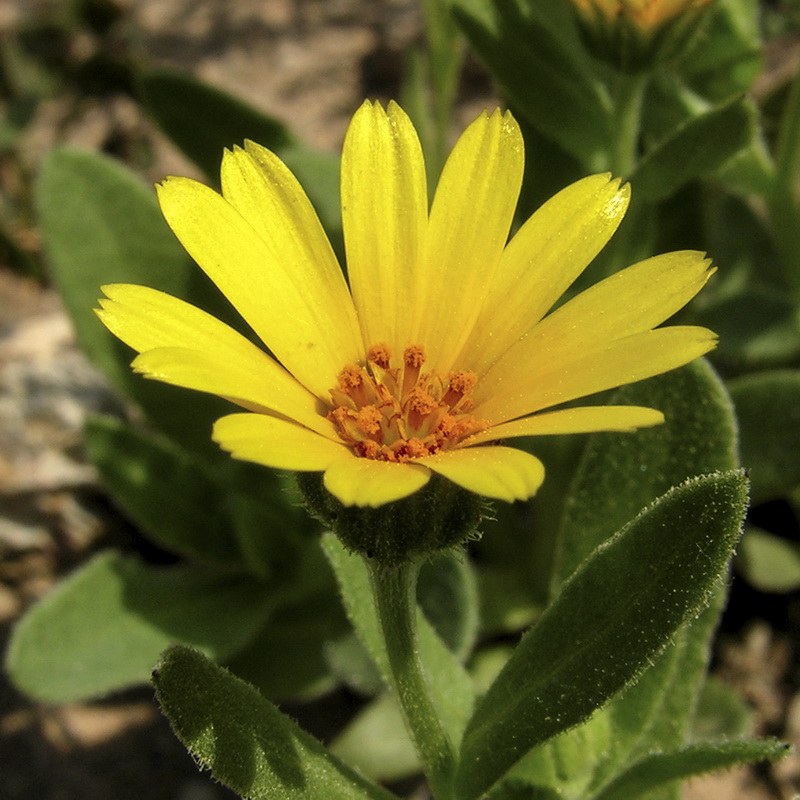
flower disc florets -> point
(398, 413)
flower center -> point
(398, 413)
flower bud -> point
(438, 516)
(635, 35)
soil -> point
(310, 63)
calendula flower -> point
(634, 35)
(644, 14)
(441, 346)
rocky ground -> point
(309, 62)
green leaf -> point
(451, 687)
(617, 612)
(698, 147)
(655, 714)
(287, 660)
(617, 475)
(101, 225)
(758, 328)
(670, 724)
(375, 742)
(246, 742)
(275, 534)
(506, 605)
(740, 239)
(350, 661)
(729, 56)
(566, 763)
(768, 409)
(661, 769)
(652, 715)
(175, 500)
(448, 595)
(206, 512)
(103, 627)
(620, 473)
(768, 562)
(540, 73)
(523, 791)
(721, 712)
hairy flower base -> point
(439, 516)
(401, 413)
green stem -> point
(394, 592)
(624, 151)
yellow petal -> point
(244, 381)
(271, 285)
(542, 260)
(366, 482)
(276, 443)
(145, 318)
(557, 378)
(585, 419)
(504, 473)
(469, 223)
(185, 346)
(266, 193)
(384, 213)
(635, 299)
(628, 302)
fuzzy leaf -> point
(286, 661)
(620, 473)
(375, 742)
(617, 612)
(758, 328)
(698, 147)
(448, 596)
(176, 501)
(246, 742)
(103, 627)
(768, 409)
(661, 769)
(768, 562)
(656, 713)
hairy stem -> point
(394, 592)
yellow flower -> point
(644, 14)
(636, 35)
(441, 347)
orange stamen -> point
(402, 414)
(350, 378)
(379, 354)
(369, 419)
(413, 359)
(414, 356)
